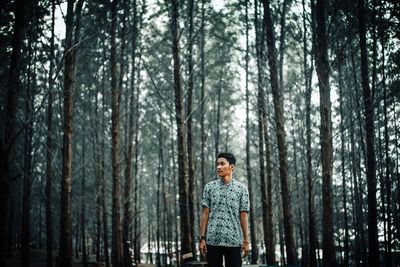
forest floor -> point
(38, 259)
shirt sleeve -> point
(206, 200)
(244, 200)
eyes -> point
(221, 163)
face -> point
(223, 167)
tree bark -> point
(253, 238)
(263, 144)
(189, 122)
(373, 244)
(343, 165)
(388, 172)
(312, 236)
(49, 149)
(65, 250)
(130, 133)
(7, 146)
(27, 181)
(322, 67)
(116, 252)
(83, 212)
(97, 171)
(103, 183)
(186, 240)
(280, 134)
(202, 92)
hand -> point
(245, 248)
(203, 247)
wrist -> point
(246, 241)
(202, 238)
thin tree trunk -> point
(343, 166)
(49, 149)
(218, 119)
(388, 257)
(7, 147)
(373, 244)
(77, 235)
(116, 252)
(254, 248)
(358, 217)
(135, 95)
(186, 240)
(83, 212)
(322, 67)
(65, 254)
(130, 105)
(261, 128)
(280, 231)
(103, 183)
(312, 236)
(280, 134)
(27, 183)
(97, 170)
(202, 92)
(175, 193)
(189, 122)
(361, 156)
(158, 192)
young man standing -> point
(223, 225)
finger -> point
(203, 251)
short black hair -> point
(228, 156)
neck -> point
(226, 179)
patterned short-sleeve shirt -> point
(225, 202)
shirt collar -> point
(222, 183)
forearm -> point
(204, 221)
(244, 225)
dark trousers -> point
(232, 256)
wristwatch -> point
(202, 238)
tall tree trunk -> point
(103, 183)
(97, 170)
(65, 253)
(370, 131)
(261, 126)
(343, 165)
(7, 146)
(312, 236)
(358, 216)
(161, 196)
(49, 149)
(136, 196)
(158, 207)
(280, 230)
(189, 122)
(218, 119)
(27, 181)
(202, 98)
(264, 149)
(254, 248)
(136, 39)
(116, 252)
(130, 130)
(83, 212)
(280, 134)
(322, 67)
(388, 172)
(186, 240)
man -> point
(223, 225)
